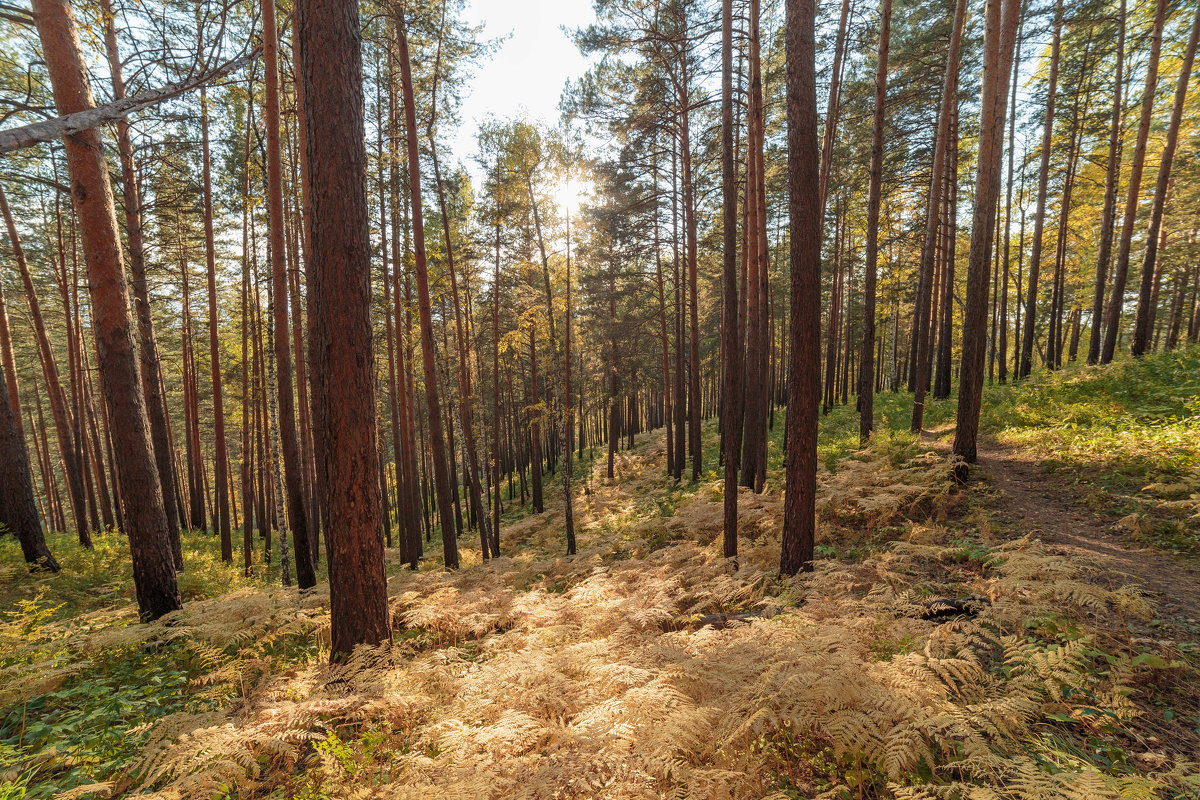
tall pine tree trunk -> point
(1145, 307)
(156, 408)
(1112, 320)
(804, 213)
(1000, 35)
(432, 393)
(221, 466)
(729, 329)
(925, 288)
(866, 396)
(292, 477)
(145, 517)
(1039, 222)
(1111, 176)
(343, 374)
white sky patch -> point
(525, 77)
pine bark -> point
(343, 373)
(145, 517)
(866, 391)
(292, 476)
(1116, 303)
(804, 213)
(432, 393)
(1145, 308)
(1039, 221)
(999, 41)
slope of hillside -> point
(649, 666)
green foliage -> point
(1128, 434)
(78, 715)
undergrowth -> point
(537, 675)
(1127, 435)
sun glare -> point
(569, 195)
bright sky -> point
(527, 73)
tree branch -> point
(29, 135)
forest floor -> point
(1075, 674)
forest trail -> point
(1036, 503)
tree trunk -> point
(145, 517)
(1039, 222)
(1112, 321)
(1145, 308)
(829, 135)
(925, 288)
(221, 467)
(432, 394)
(1008, 207)
(1112, 175)
(343, 376)
(156, 408)
(730, 335)
(689, 216)
(18, 509)
(9, 363)
(866, 396)
(754, 395)
(804, 212)
(292, 475)
(1000, 35)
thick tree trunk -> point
(1000, 35)
(145, 517)
(156, 408)
(343, 375)
(804, 212)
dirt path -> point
(1033, 502)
